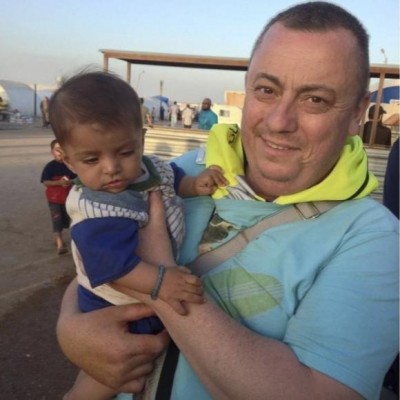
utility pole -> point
(138, 81)
(161, 92)
(384, 54)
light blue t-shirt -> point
(327, 287)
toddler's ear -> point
(66, 161)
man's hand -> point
(99, 343)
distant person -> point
(4, 108)
(173, 112)
(187, 117)
(57, 178)
(391, 201)
(153, 115)
(391, 183)
(207, 117)
(383, 134)
(162, 113)
(44, 109)
(146, 117)
(102, 141)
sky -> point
(44, 40)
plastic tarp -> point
(389, 93)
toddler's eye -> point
(127, 153)
(92, 160)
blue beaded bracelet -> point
(157, 286)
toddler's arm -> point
(177, 283)
(204, 184)
(172, 284)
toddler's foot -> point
(62, 250)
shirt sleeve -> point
(46, 174)
(179, 173)
(107, 247)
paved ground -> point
(32, 276)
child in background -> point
(97, 119)
(57, 178)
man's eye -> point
(316, 104)
(264, 90)
(316, 100)
(264, 93)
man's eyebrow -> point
(302, 89)
(272, 78)
(316, 87)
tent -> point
(20, 97)
(389, 93)
(161, 99)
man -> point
(44, 109)
(187, 117)
(146, 117)
(207, 117)
(383, 134)
(4, 108)
(308, 310)
(173, 112)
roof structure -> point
(209, 62)
(176, 60)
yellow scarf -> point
(349, 178)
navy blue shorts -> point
(59, 217)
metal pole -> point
(34, 101)
(138, 80)
(161, 92)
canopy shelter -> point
(173, 60)
(380, 71)
(207, 62)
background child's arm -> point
(204, 184)
(64, 181)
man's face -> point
(206, 104)
(104, 159)
(301, 104)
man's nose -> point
(282, 116)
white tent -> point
(20, 97)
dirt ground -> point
(32, 276)
(32, 365)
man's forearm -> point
(235, 363)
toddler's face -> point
(104, 159)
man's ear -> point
(359, 112)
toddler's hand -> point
(179, 285)
(209, 180)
